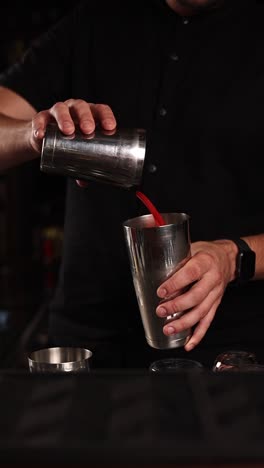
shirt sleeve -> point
(43, 74)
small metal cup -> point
(60, 359)
(115, 157)
(155, 253)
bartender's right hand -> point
(69, 113)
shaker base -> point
(169, 343)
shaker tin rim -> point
(132, 222)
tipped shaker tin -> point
(115, 157)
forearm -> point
(15, 147)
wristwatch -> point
(245, 262)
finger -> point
(201, 329)
(81, 113)
(61, 113)
(192, 317)
(195, 295)
(103, 114)
(39, 124)
(192, 271)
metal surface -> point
(115, 158)
(155, 253)
(60, 359)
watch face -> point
(246, 265)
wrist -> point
(33, 144)
(245, 261)
(231, 252)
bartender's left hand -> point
(207, 274)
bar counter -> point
(132, 418)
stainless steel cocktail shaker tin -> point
(155, 253)
(115, 157)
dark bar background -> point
(31, 204)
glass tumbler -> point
(234, 360)
(172, 365)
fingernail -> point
(89, 126)
(68, 126)
(162, 312)
(162, 292)
(170, 330)
(36, 133)
(109, 123)
(189, 346)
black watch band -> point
(245, 262)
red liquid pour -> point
(152, 209)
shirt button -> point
(185, 21)
(174, 57)
(162, 112)
(152, 168)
